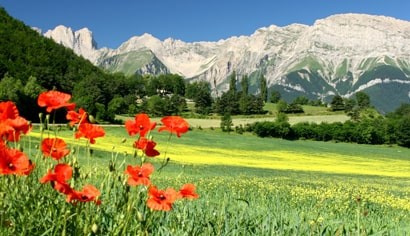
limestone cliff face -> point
(341, 54)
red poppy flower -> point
(77, 117)
(141, 124)
(8, 110)
(188, 191)
(89, 193)
(62, 173)
(5, 130)
(18, 126)
(30, 167)
(54, 100)
(139, 175)
(174, 124)
(13, 161)
(55, 148)
(147, 146)
(89, 131)
(161, 200)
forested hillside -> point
(30, 63)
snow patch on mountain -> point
(376, 82)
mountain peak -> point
(81, 41)
(336, 55)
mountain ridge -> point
(335, 55)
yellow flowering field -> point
(315, 187)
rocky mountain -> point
(341, 54)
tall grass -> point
(247, 186)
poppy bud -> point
(91, 119)
(94, 228)
(140, 216)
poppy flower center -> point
(141, 127)
(140, 174)
(162, 197)
(11, 166)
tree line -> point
(368, 128)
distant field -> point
(312, 114)
(207, 123)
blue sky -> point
(114, 22)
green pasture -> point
(216, 148)
(313, 114)
(248, 186)
(215, 122)
(308, 110)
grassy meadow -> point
(315, 114)
(247, 186)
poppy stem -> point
(166, 159)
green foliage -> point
(227, 103)
(251, 104)
(166, 105)
(245, 85)
(156, 105)
(301, 100)
(117, 106)
(32, 89)
(226, 123)
(350, 105)
(294, 108)
(363, 100)
(263, 88)
(102, 113)
(403, 132)
(282, 106)
(200, 92)
(398, 126)
(359, 108)
(232, 82)
(88, 92)
(275, 96)
(165, 84)
(277, 129)
(369, 128)
(11, 89)
(337, 103)
(281, 117)
(176, 104)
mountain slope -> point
(31, 63)
(341, 54)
